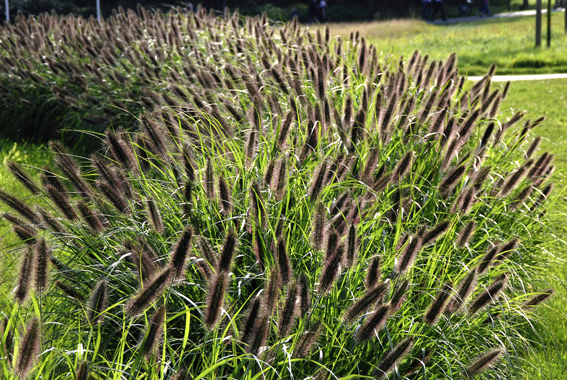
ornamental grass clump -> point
(286, 208)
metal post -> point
(98, 16)
(538, 24)
(548, 23)
(7, 11)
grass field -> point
(548, 98)
(508, 42)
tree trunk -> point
(526, 4)
(538, 24)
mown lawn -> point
(508, 42)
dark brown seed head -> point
(227, 254)
(538, 299)
(373, 275)
(93, 220)
(208, 180)
(154, 332)
(155, 215)
(289, 311)
(402, 167)
(487, 259)
(488, 295)
(482, 362)
(260, 336)
(352, 246)
(26, 233)
(97, 302)
(41, 264)
(150, 292)
(180, 253)
(251, 323)
(318, 226)
(25, 277)
(215, 299)
(398, 296)
(330, 269)
(82, 370)
(408, 255)
(364, 302)
(434, 234)
(29, 349)
(438, 304)
(391, 358)
(304, 294)
(450, 181)
(23, 177)
(375, 322)
(272, 290)
(69, 290)
(284, 265)
(466, 287)
(306, 342)
(317, 183)
(507, 249)
(20, 207)
(465, 234)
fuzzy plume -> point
(398, 296)
(465, 234)
(392, 358)
(180, 253)
(487, 259)
(224, 196)
(272, 291)
(26, 233)
(257, 205)
(364, 302)
(227, 254)
(284, 265)
(150, 292)
(208, 180)
(318, 226)
(82, 370)
(260, 336)
(488, 295)
(450, 181)
(513, 181)
(97, 302)
(507, 249)
(438, 304)
(402, 167)
(482, 362)
(30, 348)
(289, 311)
(435, 233)
(20, 207)
(352, 246)
(41, 264)
(251, 321)
(215, 299)
(154, 332)
(26, 275)
(408, 255)
(306, 342)
(113, 196)
(23, 177)
(373, 273)
(305, 298)
(538, 299)
(317, 183)
(330, 269)
(93, 219)
(155, 215)
(375, 322)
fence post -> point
(548, 23)
(538, 24)
(7, 11)
(98, 16)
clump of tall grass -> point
(307, 208)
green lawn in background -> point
(508, 42)
(549, 98)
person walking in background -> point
(313, 4)
(484, 9)
(425, 9)
(437, 5)
(322, 11)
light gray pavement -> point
(457, 20)
(513, 78)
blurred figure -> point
(484, 9)
(425, 9)
(437, 6)
(294, 12)
(313, 5)
(322, 11)
(189, 7)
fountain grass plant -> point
(303, 208)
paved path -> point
(457, 20)
(513, 78)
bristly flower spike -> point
(41, 264)
(97, 302)
(23, 177)
(373, 275)
(392, 358)
(465, 234)
(154, 332)
(215, 300)
(375, 322)
(180, 253)
(26, 275)
(482, 362)
(438, 304)
(227, 254)
(29, 349)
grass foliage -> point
(302, 208)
